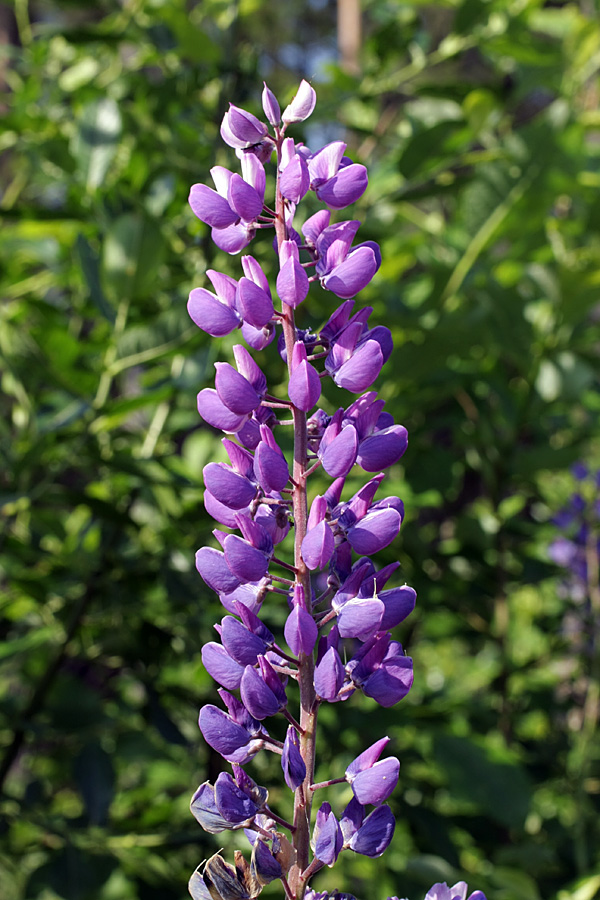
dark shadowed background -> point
(480, 125)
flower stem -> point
(306, 664)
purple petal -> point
(254, 303)
(249, 369)
(294, 181)
(361, 370)
(302, 105)
(211, 208)
(304, 387)
(221, 666)
(229, 488)
(318, 546)
(360, 618)
(223, 514)
(214, 411)
(344, 188)
(245, 561)
(375, 834)
(233, 238)
(259, 700)
(204, 809)
(382, 449)
(367, 758)
(352, 818)
(244, 199)
(399, 603)
(357, 270)
(233, 803)
(389, 684)
(314, 226)
(270, 106)
(197, 887)
(327, 837)
(300, 631)
(329, 675)
(340, 454)
(292, 283)
(220, 731)
(333, 245)
(271, 468)
(213, 568)
(326, 162)
(374, 785)
(263, 865)
(294, 767)
(243, 127)
(374, 531)
(241, 644)
(234, 391)
(208, 313)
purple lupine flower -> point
(335, 179)
(241, 130)
(327, 840)
(373, 780)
(381, 670)
(217, 313)
(342, 269)
(253, 295)
(304, 387)
(255, 497)
(301, 105)
(458, 891)
(229, 738)
(292, 281)
(338, 447)
(270, 106)
(262, 692)
(300, 629)
(294, 767)
(375, 834)
(220, 666)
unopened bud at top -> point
(301, 106)
(270, 106)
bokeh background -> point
(479, 121)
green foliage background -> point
(480, 124)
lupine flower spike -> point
(339, 607)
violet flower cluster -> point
(340, 608)
(577, 551)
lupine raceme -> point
(340, 608)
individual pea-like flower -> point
(302, 104)
(292, 281)
(381, 669)
(341, 268)
(327, 839)
(261, 690)
(241, 129)
(304, 387)
(372, 779)
(233, 208)
(294, 767)
(231, 804)
(375, 834)
(335, 179)
(236, 735)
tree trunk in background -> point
(348, 26)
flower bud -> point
(302, 105)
